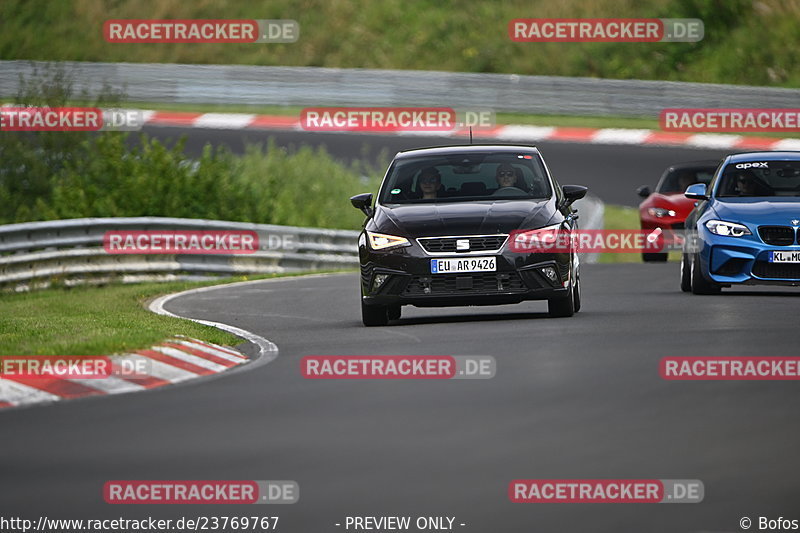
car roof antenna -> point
(470, 135)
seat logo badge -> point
(462, 244)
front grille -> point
(764, 269)
(475, 283)
(447, 245)
(679, 225)
(777, 235)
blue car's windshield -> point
(760, 178)
(465, 178)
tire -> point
(654, 258)
(686, 273)
(394, 312)
(374, 315)
(700, 285)
(576, 293)
(563, 306)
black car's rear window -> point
(465, 178)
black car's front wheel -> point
(564, 306)
(561, 307)
(374, 315)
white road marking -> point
(219, 353)
(17, 393)
(230, 121)
(620, 136)
(110, 385)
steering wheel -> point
(503, 190)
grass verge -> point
(745, 42)
(97, 320)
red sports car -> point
(667, 207)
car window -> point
(676, 180)
(466, 177)
(760, 178)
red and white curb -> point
(172, 361)
(515, 133)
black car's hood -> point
(464, 218)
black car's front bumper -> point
(403, 277)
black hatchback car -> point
(438, 234)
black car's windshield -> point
(760, 178)
(465, 178)
(677, 179)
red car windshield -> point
(678, 179)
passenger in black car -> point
(430, 181)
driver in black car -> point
(505, 176)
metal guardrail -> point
(73, 249)
(310, 86)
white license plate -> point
(466, 264)
(784, 257)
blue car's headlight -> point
(727, 229)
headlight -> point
(727, 229)
(660, 212)
(547, 239)
(381, 241)
(548, 233)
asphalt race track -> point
(573, 398)
(577, 398)
(613, 172)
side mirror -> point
(696, 192)
(363, 202)
(644, 191)
(573, 192)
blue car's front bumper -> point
(737, 260)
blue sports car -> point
(744, 228)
